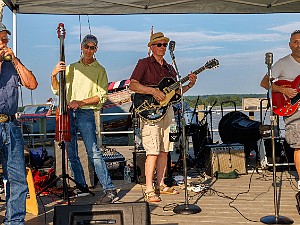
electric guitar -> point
(153, 111)
(283, 105)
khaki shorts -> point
(292, 130)
(155, 136)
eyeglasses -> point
(89, 47)
(161, 44)
(4, 39)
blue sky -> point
(238, 41)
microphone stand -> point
(274, 219)
(186, 208)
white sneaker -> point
(79, 193)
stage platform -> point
(244, 200)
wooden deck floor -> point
(244, 200)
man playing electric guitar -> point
(288, 68)
(155, 135)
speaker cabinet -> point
(139, 159)
(87, 166)
(133, 213)
(284, 154)
(225, 158)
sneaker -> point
(79, 193)
(298, 185)
(111, 196)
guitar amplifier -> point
(225, 158)
(284, 154)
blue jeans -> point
(83, 120)
(14, 170)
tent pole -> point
(14, 15)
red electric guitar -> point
(62, 131)
(283, 105)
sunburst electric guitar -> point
(153, 111)
(283, 105)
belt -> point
(6, 118)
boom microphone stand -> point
(186, 208)
(275, 219)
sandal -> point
(166, 190)
(151, 197)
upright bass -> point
(62, 130)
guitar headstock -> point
(61, 32)
(211, 64)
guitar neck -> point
(62, 81)
(176, 85)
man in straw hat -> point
(155, 135)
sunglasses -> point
(4, 39)
(89, 47)
(161, 44)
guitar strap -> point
(170, 71)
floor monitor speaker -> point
(132, 213)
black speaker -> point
(139, 159)
(283, 152)
(133, 213)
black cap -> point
(3, 28)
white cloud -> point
(287, 28)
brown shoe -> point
(166, 190)
(151, 197)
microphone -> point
(269, 59)
(172, 46)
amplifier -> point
(284, 154)
(139, 158)
(225, 158)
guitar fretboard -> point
(185, 79)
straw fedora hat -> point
(157, 37)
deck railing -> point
(44, 136)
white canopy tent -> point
(102, 7)
(118, 7)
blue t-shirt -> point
(9, 81)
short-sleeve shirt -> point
(149, 72)
(286, 68)
(9, 83)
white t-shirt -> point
(286, 68)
